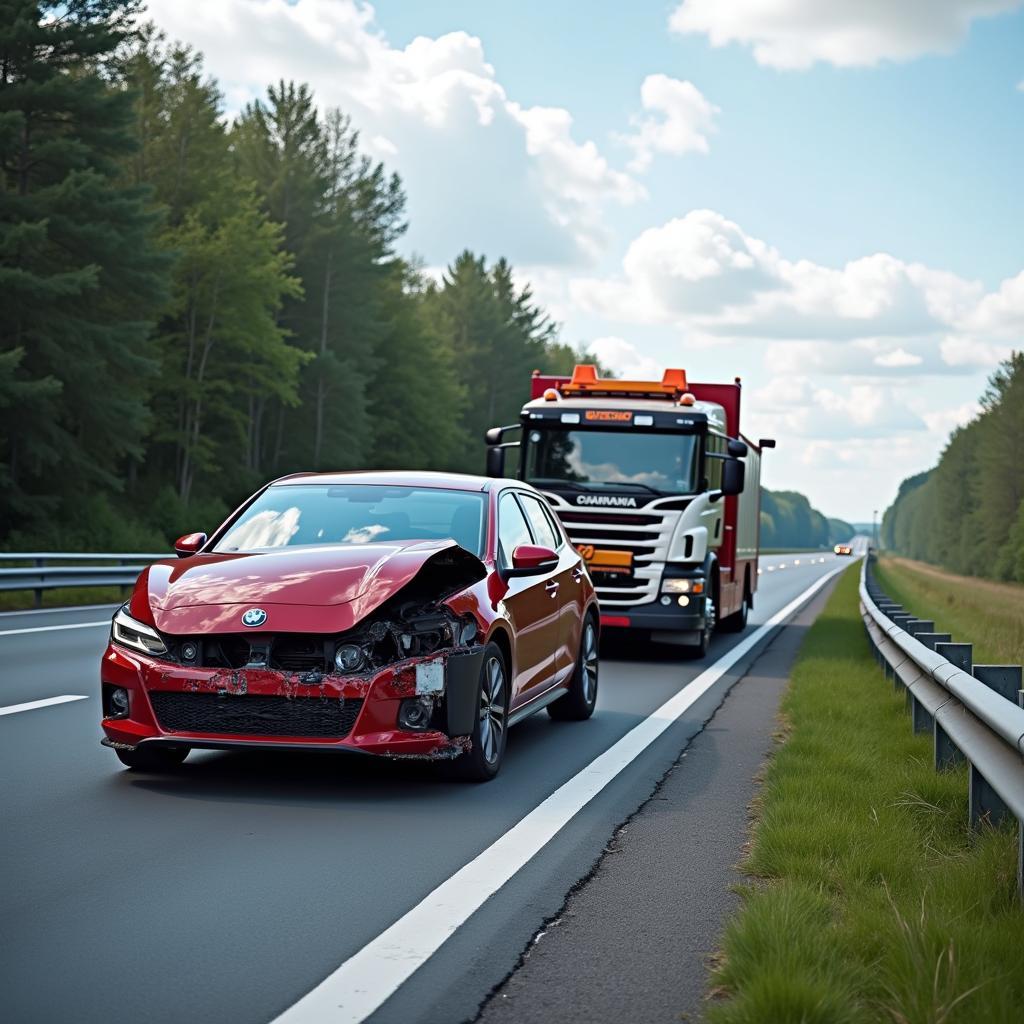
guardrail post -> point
(37, 595)
(985, 803)
(961, 655)
(1004, 679)
(931, 639)
(916, 626)
(947, 753)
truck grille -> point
(254, 715)
(647, 534)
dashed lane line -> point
(47, 629)
(13, 709)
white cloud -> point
(898, 357)
(846, 33)
(703, 276)
(679, 120)
(625, 359)
(943, 422)
(435, 111)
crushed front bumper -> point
(261, 707)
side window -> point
(555, 525)
(539, 523)
(713, 466)
(512, 528)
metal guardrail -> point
(974, 712)
(39, 576)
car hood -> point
(303, 590)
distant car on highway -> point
(400, 614)
(843, 549)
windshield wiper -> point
(630, 483)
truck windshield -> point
(595, 460)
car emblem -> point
(254, 617)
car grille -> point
(286, 652)
(253, 715)
(646, 533)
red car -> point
(410, 615)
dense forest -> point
(967, 514)
(788, 521)
(194, 304)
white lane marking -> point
(369, 977)
(13, 709)
(46, 629)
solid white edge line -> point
(369, 977)
(47, 629)
(13, 709)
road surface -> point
(230, 889)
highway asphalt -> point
(227, 890)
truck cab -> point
(657, 490)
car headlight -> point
(349, 658)
(137, 635)
(682, 586)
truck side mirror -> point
(495, 459)
(733, 476)
(766, 442)
(737, 449)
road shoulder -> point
(633, 938)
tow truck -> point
(658, 490)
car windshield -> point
(317, 514)
(596, 460)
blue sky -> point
(828, 204)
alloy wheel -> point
(590, 662)
(492, 710)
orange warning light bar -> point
(585, 381)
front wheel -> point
(700, 649)
(152, 759)
(487, 744)
(578, 704)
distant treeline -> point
(967, 514)
(788, 521)
(191, 306)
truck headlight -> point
(129, 632)
(682, 586)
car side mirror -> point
(531, 560)
(189, 544)
(733, 476)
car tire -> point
(490, 729)
(152, 758)
(579, 702)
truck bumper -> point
(669, 621)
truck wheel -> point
(152, 759)
(737, 622)
(578, 704)
(700, 649)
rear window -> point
(304, 515)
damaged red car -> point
(397, 614)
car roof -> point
(407, 478)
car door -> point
(530, 604)
(565, 578)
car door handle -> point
(552, 588)
(578, 574)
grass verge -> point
(871, 900)
(989, 615)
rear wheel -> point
(487, 750)
(578, 704)
(152, 759)
(737, 622)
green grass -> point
(871, 899)
(989, 615)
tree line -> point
(789, 521)
(193, 304)
(967, 513)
